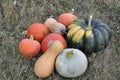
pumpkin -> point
(38, 30)
(44, 66)
(29, 47)
(71, 63)
(54, 26)
(66, 18)
(89, 35)
(52, 37)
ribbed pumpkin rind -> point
(101, 34)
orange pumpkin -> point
(38, 30)
(66, 18)
(52, 37)
(29, 48)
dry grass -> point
(105, 65)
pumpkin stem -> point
(31, 37)
(72, 11)
(24, 32)
(69, 54)
(50, 43)
(89, 24)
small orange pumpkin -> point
(52, 37)
(66, 18)
(38, 30)
(29, 48)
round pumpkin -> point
(38, 30)
(66, 18)
(52, 37)
(29, 48)
(71, 63)
(89, 35)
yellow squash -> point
(45, 64)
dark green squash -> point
(89, 35)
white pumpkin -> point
(71, 63)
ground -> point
(15, 18)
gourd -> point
(66, 18)
(45, 64)
(89, 35)
(38, 30)
(71, 63)
(51, 37)
(54, 26)
(29, 47)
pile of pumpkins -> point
(64, 44)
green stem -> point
(69, 54)
(90, 20)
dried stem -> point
(90, 20)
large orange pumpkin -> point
(29, 48)
(66, 18)
(52, 37)
(38, 30)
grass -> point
(14, 19)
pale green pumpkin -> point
(71, 63)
